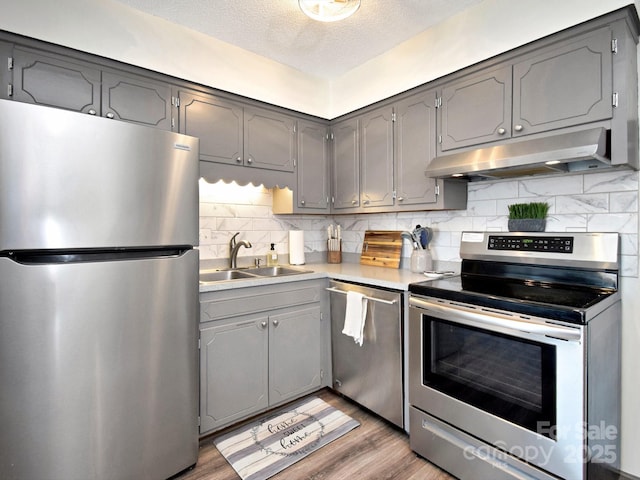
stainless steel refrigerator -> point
(98, 297)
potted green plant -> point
(528, 217)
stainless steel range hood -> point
(568, 152)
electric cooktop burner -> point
(545, 275)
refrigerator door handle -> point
(82, 256)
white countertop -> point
(393, 278)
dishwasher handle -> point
(381, 300)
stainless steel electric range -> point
(514, 366)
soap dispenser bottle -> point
(272, 256)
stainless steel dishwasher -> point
(370, 374)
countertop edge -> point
(392, 278)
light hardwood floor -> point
(374, 450)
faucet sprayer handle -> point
(232, 242)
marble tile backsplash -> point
(591, 202)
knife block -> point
(334, 256)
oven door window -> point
(510, 377)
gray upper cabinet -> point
(136, 99)
(232, 133)
(312, 192)
(415, 146)
(384, 154)
(345, 166)
(55, 81)
(313, 167)
(564, 86)
(5, 73)
(475, 109)
(376, 158)
(269, 140)
(217, 123)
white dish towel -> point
(355, 316)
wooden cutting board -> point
(381, 248)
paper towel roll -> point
(296, 247)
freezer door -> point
(98, 368)
(69, 180)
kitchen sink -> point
(275, 271)
(223, 276)
(245, 273)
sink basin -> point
(276, 271)
(223, 276)
(232, 274)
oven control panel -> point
(532, 244)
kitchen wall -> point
(593, 202)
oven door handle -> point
(496, 319)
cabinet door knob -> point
(354, 202)
(239, 159)
(249, 160)
(92, 112)
(301, 202)
(276, 323)
(518, 128)
(263, 324)
(110, 115)
(501, 131)
(366, 202)
(401, 199)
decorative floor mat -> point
(267, 446)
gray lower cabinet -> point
(235, 134)
(260, 347)
(295, 353)
(563, 85)
(234, 370)
(57, 81)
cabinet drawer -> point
(463, 455)
(233, 303)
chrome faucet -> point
(233, 250)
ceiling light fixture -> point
(329, 10)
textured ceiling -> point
(277, 29)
